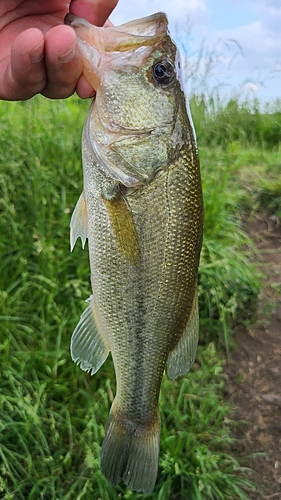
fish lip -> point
(160, 17)
(123, 38)
(126, 132)
(115, 128)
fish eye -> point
(163, 71)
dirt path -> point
(254, 372)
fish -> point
(141, 210)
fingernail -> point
(37, 54)
(108, 24)
(68, 56)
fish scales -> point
(142, 212)
(130, 300)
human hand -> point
(38, 53)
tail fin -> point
(131, 453)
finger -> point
(95, 11)
(25, 75)
(63, 62)
(84, 89)
(108, 24)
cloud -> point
(274, 3)
(260, 47)
(256, 31)
(255, 68)
(176, 10)
(250, 86)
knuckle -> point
(30, 82)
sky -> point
(239, 42)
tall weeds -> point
(53, 415)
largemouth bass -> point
(142, 212)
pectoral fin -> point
(88, 348)
(123, 228)
(79, 222)
(182, 357)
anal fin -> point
(182, 357)
(88, 348)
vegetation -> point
(53, 415)
(248, 123)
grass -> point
(248, 122)
(53, 415)
(248, 136)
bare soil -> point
(254, 371)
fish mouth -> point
(103, 50)
(116, 45)
(123, 132)
(144, 32)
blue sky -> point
(224, 14)
(242, 36)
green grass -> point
(52, 414)
(246, 135)
(249, 123)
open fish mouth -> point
(115, 46)
(128, 149)
(143, 32)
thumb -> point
(95, 11)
